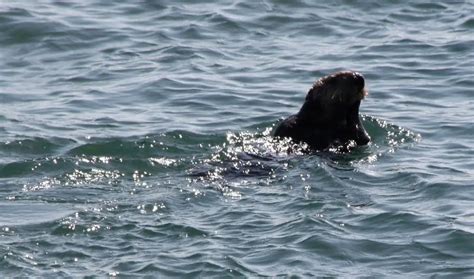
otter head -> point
(334, 99)
(342, 88)
(329, 116)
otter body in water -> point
(329, 116)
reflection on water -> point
(135, 140)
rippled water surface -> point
(135, 139)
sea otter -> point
(329, 116)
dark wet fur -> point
(329, 116)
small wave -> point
(225, 162)
(256, 158)
(21, 213)
(22, 26)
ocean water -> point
(135, 140)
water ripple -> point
(135, 140)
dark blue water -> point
(134, 140)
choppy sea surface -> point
(135, 139)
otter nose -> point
(359, 80)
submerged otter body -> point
(329, 116)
